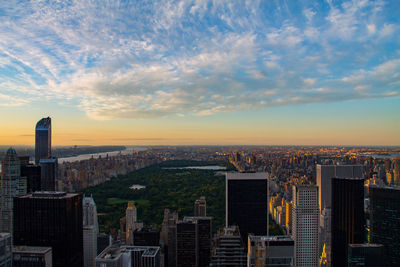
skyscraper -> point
(348, 219)
(48, 174)
(194, 242)
(168, 237)
(51, 219)
(305, 225)
(385, 221)
(324, 177)
(131, 222)
(5, 249)
(274, 251)
(200, 208)
(24, 256)
(43, 140)
(12, 185)
(90, 231)
(247, 202)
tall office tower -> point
(368, 255)
(24, 256)
(274, 251)
(90, 231)
(48, 174)
(193, 242)
(289, 216)
(396, 171)
(51, 219)
(348, 218)
(33, 177)
(131, 222)
(5, 250)
(12, 185)
(43, 140)
(324, 176)
(229, 249)
(247, 202)
(200, 208)
(305, 225)
(168, 237)
(385, 221)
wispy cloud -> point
(136, 59)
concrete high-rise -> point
(12, 185)
(90, 231)
(43, 140)
(24, 256)
(348, 218)
(385, 221)
(168, 237)
(200, 208)
(51, 219)
(247, 202)
(305, 223)
(131, 222)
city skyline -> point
(201, 72)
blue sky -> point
(202, 60)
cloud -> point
(172, 58)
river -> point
(128, 150)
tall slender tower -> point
(90, 232)
(347, 217)
(305, 225)
(43, 140)
(200, 209)
(12, 185)
(131, 222)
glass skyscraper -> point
(43, 140)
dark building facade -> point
(368, 255)
(51, 219)
(146, 237)
(348, 218)
(48, 174)
(43, 140)
(247, 202)
(194, 242)
(33, 177)
(385, 221)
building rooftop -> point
(246, 175)
(43, 124)
(366, 245)
(4, 235)
(271, 238)
(31, 249)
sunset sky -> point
(201, 72)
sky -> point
(201, 72)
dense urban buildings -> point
(385, 221)
(348, 218)
(168, 237)
(274, 251)
(43, 140)
(12, 185)
(246, 202)
(51, 219)
(228, 248)
(48, 174)
(28, 256)
(129, 256)
(305, 225)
